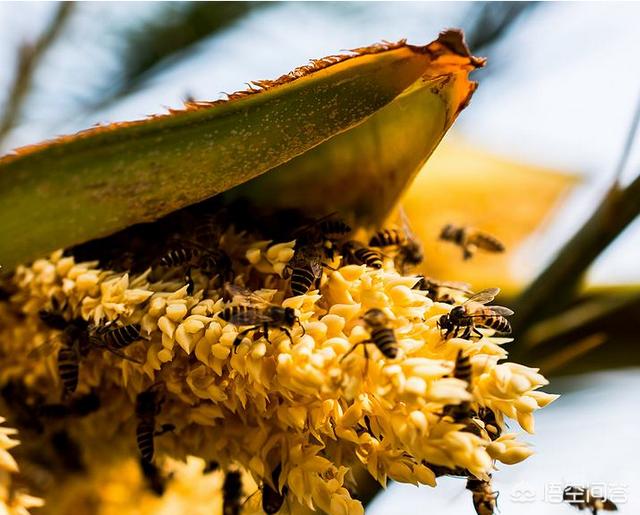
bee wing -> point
(501, 310)
(454, 285)
(252, 318)
(484, 296)
(42, 351)
(404, 222)
(243, 295)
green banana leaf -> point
(93, 184)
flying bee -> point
(441, 291)
(584, 499)
(381, 334)
(485, 500)
(273, 497)
(211, 261)
(356, 253)
(473, 314)
(470, 240)
(231, 493)
(409, 249)
(148, 406)
(258, 314)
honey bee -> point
(258, 314)
(210, 261)
(306, 269)
(78, 338)
(382, 335)
(115, 339)
(356, 253)
(231, 493)
(326, 228)
(470, 240)
(273, 497)
(148, 406)
(485, 500)
(441, 291)
(76, 344)
(461, 412)
(409, 249)
(322, 234)
(473, 314)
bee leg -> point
(165, 428)
(124, 356)
(363, 342)
(286, 331)
(240, 336)
(265, 330)
(477, 333)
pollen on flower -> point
(240, 372)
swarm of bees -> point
(318, 244)
(470, 240)
(584, 499)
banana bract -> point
(355, 128)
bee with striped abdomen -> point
(585, 499)
(148, 407)
(76, 344)
(485, 499)
(355, 253)
(210, 261)
(273, 497)
(473, 314)
(470, 240)
(409, 252)
(257, 313)
(115, 339)
(231, 493)
(442, 291)
(306, 269)
(381, 335)
(461, 370)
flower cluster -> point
(298, 402)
